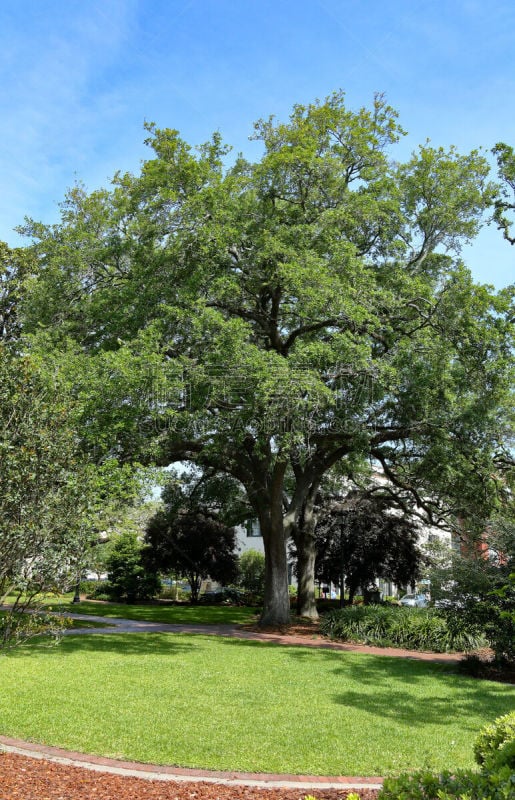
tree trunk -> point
(352, 592)
(303, 533)
(276, 605)
(195, 584)
(306, 556)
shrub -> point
(499, 619)
(504, 757)
(494, 751)
(484, 600)
(87, 587)
(412, 628)
(130, 578)
(16, 626)
(494, 739)
(251, 566)
(100, 591)
(460, 785)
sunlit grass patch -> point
(169, 613)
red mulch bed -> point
(23, 778)
(299, 627)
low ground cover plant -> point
(389, 626)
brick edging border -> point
(183, 774)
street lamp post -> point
(342, 569)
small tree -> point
(482, 589)
(252, 571)
(193, 544)
(130, 577)
(44, 485)
(497, 613)
(367, 541)
(438, 556)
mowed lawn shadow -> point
(144, 644)
(393, 687)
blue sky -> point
(80, 77)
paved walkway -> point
(181, 774)
(118, 625)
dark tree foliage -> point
(195, 545)
(365, 542)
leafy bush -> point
(251, 567)
(412, 628)
(494, 751)
(504, 757)
(498, 615)
(101, 590)
(17, 626)
(494, 739)
(129, 577)
(481, 591)
(460, 785)
(88, 587)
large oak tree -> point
(300, 311)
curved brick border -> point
(183, 774)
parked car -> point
(414, 600)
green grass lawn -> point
(205, 615)
(232, 704)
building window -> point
(253, 528)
